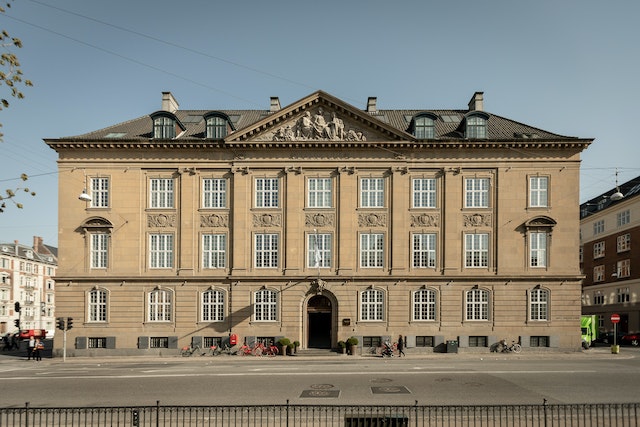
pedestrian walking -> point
(36, 350)
(401, 346)
(32, 345)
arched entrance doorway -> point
(319, 315)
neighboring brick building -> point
(610, 256)
(27, 278)
(319, 221)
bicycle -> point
(217, 350)
(247, 350)
(188, 351)
(513, 348)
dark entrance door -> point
(319, 315)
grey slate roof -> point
(21, 251)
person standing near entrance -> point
(401, 346)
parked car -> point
(631, 339)
(606, 338)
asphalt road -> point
(593, 376)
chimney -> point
(169, 103)
(275, 104)
(371, 104)
(37, 244)
(476, 103)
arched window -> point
(212, 306)
(424, 127)
(160, 305)
(265, 306)
(372, 305)
(539, 304)
(477, 304)
(164, 127)
(424, 304)
(216, 127)
(98, 304)
(476, 127)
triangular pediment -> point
(318, 118)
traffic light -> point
(17, 323)
(69, 323)
(17, 307)
(60, 321)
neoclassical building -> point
(319, 221)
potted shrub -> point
(342, 346)
(284, 344)
(296, 344)
(352, 342)
(290, 348)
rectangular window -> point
(214, 193)
(319, 193)
(623, 268)
(624, 242)
(266, 250)
(477, 305)
(622, 295)
(372, 192)
(477, 341)
(371, 250)
(212, 306)
(623, 218)
(424, 192)
(598, 298)
(424, 341)
(371, 305)
(598, 250)
(99, 250)
(161, 251)
(319, 251)
(539, 305)
(98, 305)
(266, 192)
(214, 247)
(99, 192)
(538, 341)
(538, 191)
(598, 273)
(598, 227)
(265, 306)
(159, 342)
(476, 250)
(161, 193)
(424, 250)
(476, 193)
(538, 250)
(94, 342)
(209, 342)
(424, 305)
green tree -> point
(11, 79)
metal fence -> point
(544, 415)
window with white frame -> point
(319, 193)
(161, 195)
(598, 249)
(214, 193)
(476, 250)
(161, 251)
(623, 268)
(371, 305)
(624, 242)
(164, 127)
(598, 227)
(424, 304)
(265, 306)
(539, 304)
(319, 250)
(623, 218)
(214, 251)
(216, 127)
(213, 306)
(371, 250)
(598, 298)
(99, 250)
(424, 127)
(266, 250)
(538, 191)
(476, 192)
(424, 250)
(424, 192)
(99, 192)
(98, 305)
(267, 192)
(622, 295)
(371, 192)
(477, 304)
(476, 127)
(598, 273)
(160, 305)
(538, 249)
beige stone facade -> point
(317, 222)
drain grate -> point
(390, 390)
(320, 393)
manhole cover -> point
(390, 390)
(321, 386)
(320, 393)
(381, 380)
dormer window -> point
(164, 128)
(424, 127)
(476, 127)
(216, 127)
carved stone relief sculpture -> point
(372, 220)
(161, 220)
(425, 220)
(214, 220)
(267, 220)
(477, 220)
(318, 126)
(319, 220)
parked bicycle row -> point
(262, 347)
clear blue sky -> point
(569, 67)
